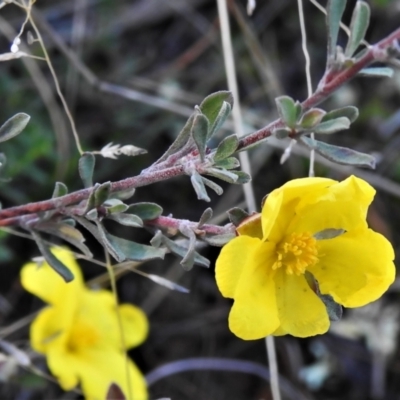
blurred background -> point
(132, 71)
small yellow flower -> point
(79, 332)
(265, 269)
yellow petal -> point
(355, 268)
(97, 309)
(45, 283)
(96, 369)
(301, 312)
(251, 226)
(50, 329)
(230, 263)
(254, 313)
(279, 207)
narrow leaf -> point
(198, 186)
(53, 261)
(237, 215)
(223, 174)
(111, 246)
(350, 112)
(101, 193)
(13, 126)
(218, 240)
(242, 177)
(340, 155)
(146, 211)
(60, 189)
(188, 259)
(334, 310)
(228, 163)
(117, 208)
(227, 147)
(135, 251)
(66, 232)
(377, 72)
(335, 9)
(332, 126)
(287, 110)
(124, 194)
(281, 133)
(167, 283)
(216, 107)
(212, 185)
(311, 118)
(86, 168)
(127, 219)
(199, 134)
(358, 27)
(205, 217)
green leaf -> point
(127, 219)
(335, 9)
(329, 233)
(216, 107)
(102, 193)
(237, 215)
(54, 262)
(92, 214)
(67, 232)
(13, 126)
(86, 168)
(146, 211)
(188, 259)
(282, 133)
(113, 249)
(340, 155)
(117, 208)
(199, 134)
(332, 126)
(242, 177)
(350, 112)
(227, 147)
(311, 118)
(123, 194)
(223, 174)
(205, 217)
(358, 27)
(287, 110)
(60, 189)
(377, 72)
(212, 185)
(334, 310)
(218, 240)
(198, 186)
(181, 140)
(228, 163)
(135, 251)
(181, 251)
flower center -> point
(296, 252)
(81, 336)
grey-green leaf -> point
(123, 194)
(377, 72)
(282, 133)
(350, 112)
(60, 189)
(13, 126)
(216, 107)
(146, 211)
(218, 240)
(53, 261)
(136, 251)
(199, 134)
(223, 174)
(166, 283)
(102, 193)
(329, 233)
(117, 208)
(227, 147)
(198, 186)
(332, 126)
(242, 177)
(86, 168)
(212, 185)
(228, 163)
(358, 27)
(340, 155)
(335, 9)
(334, 310)
(237, 215)
(311, 118)
(205, 217)
(287, 110)
(127, 219)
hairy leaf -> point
(146, 211)
(86, 168)
(227, 147)
(335, 9)
(199, 134)
(198, 186)
(287, 110)
(13, 126)
(358, 27)
(332, 126)
(205, 217)
(350, 112)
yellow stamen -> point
(296, 252)
(81, 336)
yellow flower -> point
(266, 268)
(79, 332)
